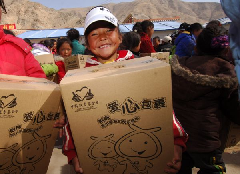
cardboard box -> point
(28, 109)
(75, 61)
(233, 135)
(163, 56)
(121, 116)
(45, 59)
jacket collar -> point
(122, 55)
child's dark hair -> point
(8, 32)
(130, 41)
(195, 27)
(157, 38)
(142, 26)
(53, 40)
(212, 41)
(2, 5)
(185, 27)
(73, 34)
(48, 43)
(61, 41)
(213, 23)
(28, 41)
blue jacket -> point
(185, 43)
(232, 10)
(77, 48)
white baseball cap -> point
(167, 39)
(99, 13)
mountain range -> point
(32, 15)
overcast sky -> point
(58, 4)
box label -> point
(84, 100)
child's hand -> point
(175, 165)
(59, 124)
(76, 165)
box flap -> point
(113, 69)
(45, 59)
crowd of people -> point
(204, 81)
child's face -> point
(55, 45)
(104, 41)
(65, 50)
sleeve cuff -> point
(70, 155)
(180, 142)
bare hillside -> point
(32, 15)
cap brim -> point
(96, 18)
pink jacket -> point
(16, 57)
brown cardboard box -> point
(233, 135)
(75, 61)
(163, 56)
(45, 59)
(121, 116)
(28, 109)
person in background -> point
(166, 45)
(49, 44)
(40, 49)
(204, 99)
(146, 30)
(196, 29)
(131, 41)
(99, 30)
(74, 36)
(232, 10)
(15, 55)
(156, 42)
(54, 47)
(213, 22)
(64, 49)
(185, 42)
(16, 59)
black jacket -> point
(204, 97)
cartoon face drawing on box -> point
(138, 148)
(103, 153)
(31, 153)
(6, 155)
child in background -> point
(131, 41)
(204, 99)
(103, 39)
(74, 36)
(64, 49)
(54, 43)
(146, 30)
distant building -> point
(131, 19)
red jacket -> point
(122, 55)
(16, 57)
(180, 136)
(59, 61)
(146, 44)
